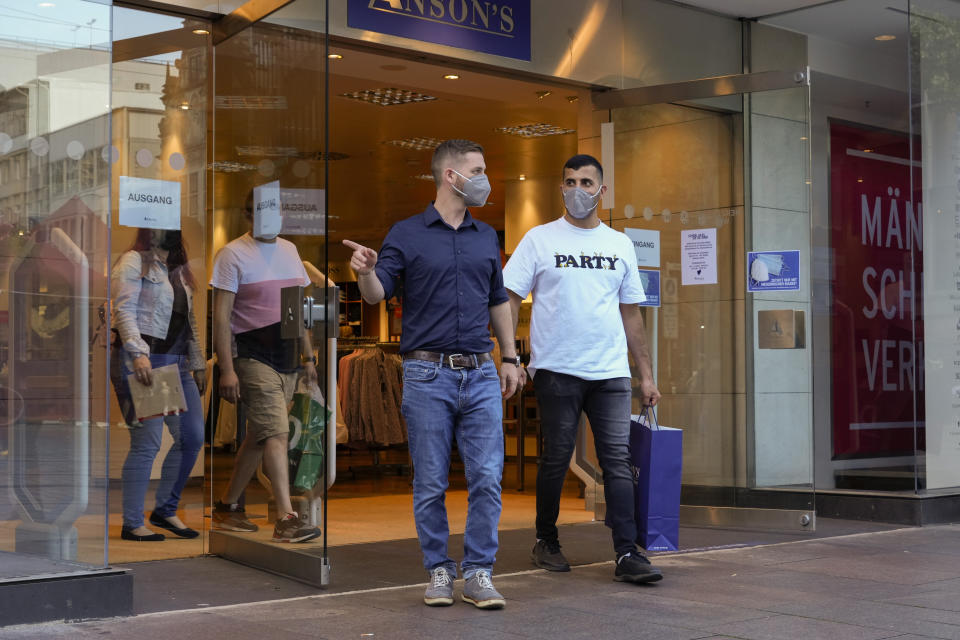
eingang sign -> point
(501, 27)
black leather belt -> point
(452, 360)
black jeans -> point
(562, 398)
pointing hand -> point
(363, 259)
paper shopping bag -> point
(657, 456)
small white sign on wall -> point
(646, 242)
(149, 204)
(698, 256)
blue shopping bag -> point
(657, 456)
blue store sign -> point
(501, 27)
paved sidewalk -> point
(903, 583)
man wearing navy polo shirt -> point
(449, 264)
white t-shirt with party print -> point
(578, 278)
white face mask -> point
(579, 203)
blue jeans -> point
(439, 404)
(145, 437)
(561, 399)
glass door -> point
(269, 150)
(713, 187)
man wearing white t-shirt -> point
(259, 367)
(585, 286)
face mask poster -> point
(877, 256)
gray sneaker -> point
(478, 590)
(439, 592)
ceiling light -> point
(424, 177)
(537, 130)
(859, 179)
(803, 137)
(451, 76)
(250, 102)
(185, 106)
(522, 177)
(335, 56)
(868, 150)
(231, 167)
(202, 32)
(884, 38)
(387, 97)
(261, 151)
(46, 5)
(543, 94)
(573, 98)
(416, 144)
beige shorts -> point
(266, 395)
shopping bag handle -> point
(649, 412)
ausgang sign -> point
(500, 27)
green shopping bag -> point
(308, 430)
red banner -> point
(876, 322)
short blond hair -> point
(451, 149)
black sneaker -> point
(547, 555)
(634, 567)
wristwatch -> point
(305, 360)
(515, 360)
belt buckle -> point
(450, 360)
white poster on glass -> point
(698, 256)
(267, 219)
(646, 242)
(149, 204)
(304, 211)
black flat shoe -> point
(126, 534)
(158, 521)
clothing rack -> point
(345, 348)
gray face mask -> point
(475, 189)
(579, 203)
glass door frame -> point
(792, 511)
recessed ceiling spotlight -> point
(868, 150)
(388, 97)
(537, 130)
(884, 38)
(543, 94)
(335, 56)
(46, 5)
(185, 106)
(416, 144)
(522, 177)
(573, 98)
(202, 32)
(451, 76)
(250, 102)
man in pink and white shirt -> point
(259, 368)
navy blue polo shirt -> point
(451, 278)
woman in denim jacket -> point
(155, 326)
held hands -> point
(142, 370)
(363, 259)
(651, 395)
